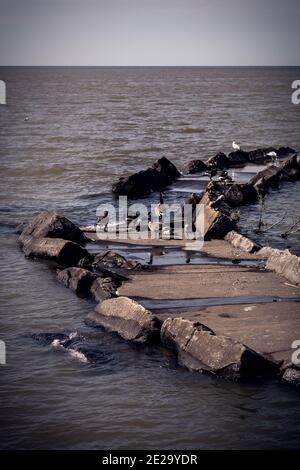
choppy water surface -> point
(86, 127)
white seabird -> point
(235, 146)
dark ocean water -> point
(86, 127)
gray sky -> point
(149, 32)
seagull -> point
(235, 146)
(273, 156)
(26, 118)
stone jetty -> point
(236, 318)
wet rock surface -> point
(127, 318)
(63, 252)
(199, 349)
(50, 224)
(78, 279)
(162, 173)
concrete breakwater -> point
(233, 341)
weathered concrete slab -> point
(201, 350)
(127, 318)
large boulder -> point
(127, 318)
(50, 224)
(162, 173)
(195, 166)
(63, 252)
(78, 279)
(199, 349)
(219, 161)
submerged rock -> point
(78, 279)
(50, 224)
(199, 349)
(195, 166)
(63, 252)
(162, 173)
(127, 318)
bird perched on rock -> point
(273, 156)
(235, 146)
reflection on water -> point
(86, 127)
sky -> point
(149, 32)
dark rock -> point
(199, 349)
(50, 224)
(112, 260)
(219, 161)
(238, 194)
(260, 155)
(78, 279)
(285, 151)
(167, 168)
(238, 157)
(104, 288)
(220, 226)
(63, 252)
(162, 173)
(127, 318)
(195, 166)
